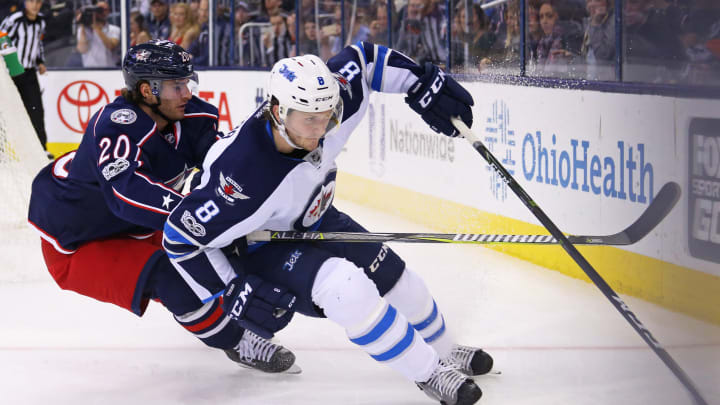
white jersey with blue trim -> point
(248, 185)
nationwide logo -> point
(229, 190)
(78, 101)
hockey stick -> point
(661, 205)
(609, 293)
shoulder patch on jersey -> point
(123, 116)
(229, 190)
(112, 169)
(344, 84)
(319, 204)
(192, 225)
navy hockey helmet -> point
(155, 61)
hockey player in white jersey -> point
(277, 172)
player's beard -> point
(172, 109)
(309, 144)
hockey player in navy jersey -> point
(277, 171)
(100, 209)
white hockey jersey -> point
(247, 185)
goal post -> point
(21, 157)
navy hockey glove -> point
(437, 98)
(258, 305)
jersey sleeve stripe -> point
(361, 48)
(177, 131)
(141, 236)
(195, 115)
(161, 185)
(97, 119)
(207, 322)
(200, 291)
(139, 204)
(51, 240)
(146, 137)
(222, 266)
(172, 236)
(216, 329)
(380, 63)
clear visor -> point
(314, 124)
(176, 89)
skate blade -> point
(294, 369)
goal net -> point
(21, 157)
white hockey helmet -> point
(304, 83)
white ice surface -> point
(556, 340)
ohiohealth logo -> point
(500, 140)
(624, 174)
(614, 176)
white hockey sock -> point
(349, 298)
(411, 296)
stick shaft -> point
(609, 293)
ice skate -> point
(261, 354)
(450, 386)
(471, 361)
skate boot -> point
(471, 360)
(260, 354)
(449, 386)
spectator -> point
(553, 55)
(200, 48)
(159, 24)
(269, 8)
(357, 28)
(194, 7)
(508, 57)
(25, 29)
(535, 32)
(379, 23)
(480, 38)
(278, 44)
(183, 28)
(598, 47)
(309, 37)
(97, 40)
(700, 34)
(138, 32)
(252, 55)
(420, 35)
(653, 51)
(290, 22)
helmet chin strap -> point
(156, 109)
(283, 133)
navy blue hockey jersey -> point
(247, 185)
(124, 178)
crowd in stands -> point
(664, 41)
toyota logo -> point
(78, 101)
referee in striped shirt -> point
(26, 29)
